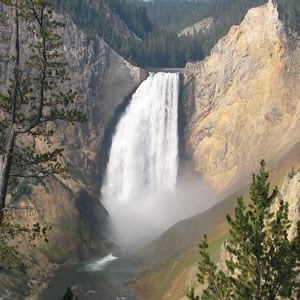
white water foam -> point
(98, 264)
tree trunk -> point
(5, 171)
(10, 144)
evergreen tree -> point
(34, 99)
(263, 262)
(69, 295)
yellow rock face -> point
(246, 98)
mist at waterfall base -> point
(140, 190)
(133, 225)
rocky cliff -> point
(242, 102)
(290, 192)
(103, 80)
(204, 26)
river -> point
(98, 279)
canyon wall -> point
(242, 101)
(71, 206)
(103, 80)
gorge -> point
(237, 106)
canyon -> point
(241, 105)
(238, 106)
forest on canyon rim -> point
(152, 40)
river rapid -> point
(97, 279)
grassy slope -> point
(168, 279)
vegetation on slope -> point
(261, 261)
(172, 277)
(157, 282)
(178, 14)
(152, 38)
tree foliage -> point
(69, 295)
(178, 14)
(32, 101)
(11, 237)
(263, 263)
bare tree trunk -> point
(12, 134)
(6, 167)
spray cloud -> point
(140, 191)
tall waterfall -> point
(144, 152)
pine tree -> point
(263, 261)
(69, 295)
(35, 97)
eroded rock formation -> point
(204, 26)
(243, 100)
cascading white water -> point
(144, 153)
(98, 264)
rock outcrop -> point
(204, 26)
(242, 102)
(290, 192)
(103, 80)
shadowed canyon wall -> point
(103, 80)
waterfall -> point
(144, 153)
